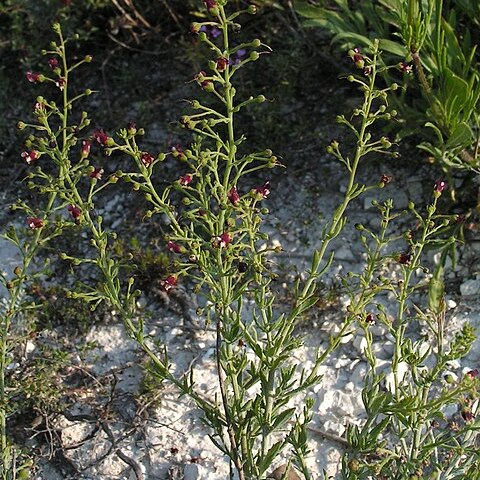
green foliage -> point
(445, 65)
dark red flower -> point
(34, 77)
(385, 179)
(75, 212)
(53, 63)
(60, 83)
(169, 283)
(201, 78)
(404, 258)
(185, 180)
(406, 67)
(467, 414)
(34, 222)
(147, 159)
(85, 152)
(174, 247)
(263, 191)
(30, 156)
(96, 173)
(370, 318)
(440, 186)
(177, 152)
(132, 128)
(222, 240)
(100, 136)
(472, 373)
(357, 58)
(210, 3)
(233, 195)
(222, 63)
(39, 107)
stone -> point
(360, 343)
(193, 471)
(470, 288)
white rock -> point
(341, 362)
(346, 338)
(470, 288)
(449, 410)
(344, 253)
(402, 371)
(333, 427)
(357, 376)
(451, 303)
(349, 387)
(360, 343)
(193, 471)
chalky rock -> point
(193, 471)
(339, 404)
(470, 288)
(360, 343)
(401, 373)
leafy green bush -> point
(441, 100)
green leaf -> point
(282, 418)
(461, 136)
(353, 38)
(393, 47)
(270, 456)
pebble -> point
(360, 343)
(357, 376)
(402, 370)
(470, 288)
(193, 471)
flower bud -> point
(254, 56)
(252, 9)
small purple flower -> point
(385, 179)
(467, 414)
(211, 32)
(237, 57)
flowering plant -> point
(215, 214)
